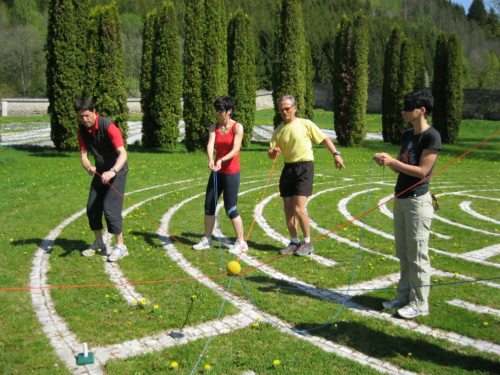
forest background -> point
(23, 31)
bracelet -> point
(337, 153)
(114, 170)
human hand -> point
(339, 162)
(382, 158)
(274, 152)
(91, 170)
(107, 176)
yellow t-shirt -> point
(295, 140)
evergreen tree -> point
(391, 95)
(241, 66)
(477, 12)
(289, 67)
(146, 78)
(64, 73)
(214, 73)
(309, 98)
(447, 87)
(194, 56)
(350, 80)
(166, 85)
(110, 95)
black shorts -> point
(297, 179)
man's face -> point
(87, 117)
(287, 110)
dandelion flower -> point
(174, 365)
(486, 324)
(276, 362)
(207, 367)
(156, 307)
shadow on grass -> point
(67, 246)
(41, 151)
(390, 346)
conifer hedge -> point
(289, 64)
(194, 55)
(148, 38)
(109, 92)
(350, 80)
(447, 87)
(241, 71)
(65, 73)
(166, 84)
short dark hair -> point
(224, 103)
(419, 99)
(83, 104)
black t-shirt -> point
(411, 150)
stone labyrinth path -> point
(350, 190)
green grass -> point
(41, 188)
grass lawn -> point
(45, 191)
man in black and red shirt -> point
(103, 139)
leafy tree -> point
(194, 54)
(289, 66)
(447, 87)
(64, 71)
(166, 85)
(214, 72)
(109, 93)
(241, 66)
(477, 12)
(350, 80)
(146, 77)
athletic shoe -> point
(304, 249)
(394, 304)
(119, 252)
(239, 246)
(412, 310)
(291, 248)
(205, 243)
(98, 247)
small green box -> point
(81, 360)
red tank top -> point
(223, 146)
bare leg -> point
(209, 225)
(238, 227)
(299, 205)
(288, 205)
(119, 238)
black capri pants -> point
(227, 183)
(106, 200)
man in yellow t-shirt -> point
(294, 139)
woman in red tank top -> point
(223, 151)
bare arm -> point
(84, 158)
(211, 147)
(339, 162)
(120, 162)
(427, 161)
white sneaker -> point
(394, 304)
(412, 310)
(205, 243)
(238, 247)
(119, 252)
(95, 247)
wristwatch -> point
(337, 153)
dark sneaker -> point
(304, 249)
(394, 304)
(291, 248)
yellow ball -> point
(233, 268)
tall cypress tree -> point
(289, 67)
(194, 33)
(214, 70)
(148, 38)
(309, 98)
(166, 85)
(65, 72)
(241, 71)
(110, 94)
(350, 77)
(447, 87)
(391, 96)
(477, 12)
